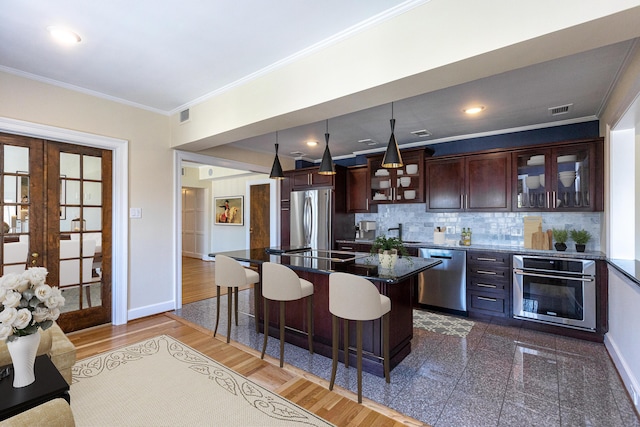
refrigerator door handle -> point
(308, 220)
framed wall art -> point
(229, 210)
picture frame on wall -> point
(229, 210)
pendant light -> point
(326, 166)
(276, 169)
(392, 158)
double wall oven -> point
(558, 291)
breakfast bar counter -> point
(315, 266)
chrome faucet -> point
(399, 228)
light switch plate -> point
(135, 212)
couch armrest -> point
(54, 413)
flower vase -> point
(388, 258)
(23, 355)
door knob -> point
(35, 256)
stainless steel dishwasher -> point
(444, 286)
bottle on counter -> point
(462, 236)
(468, 241)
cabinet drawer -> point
(497, 259)
(478, 284)
(493, 305)
(488, 273)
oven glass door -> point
(562, 298)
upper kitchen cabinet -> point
(359, 190)
(309, 178)
(402, 185)
(566, 177)
(479, 182)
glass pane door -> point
(532, 192)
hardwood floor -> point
(198, 280)
(339, 407)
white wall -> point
(622, 201)
(623, 338)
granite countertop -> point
(365, 265)
(569, 253)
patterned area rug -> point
(441, 324)
(163, 382)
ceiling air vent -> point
(562, 109)
(297, 153)
(421, 133)
(184, 115)
(368, 141)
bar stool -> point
(232, 274)
(280, 283)
(356, 298)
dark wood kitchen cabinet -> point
(489, 284)
(285, 194)
(359, 190)
(400, 185)
(305, 178)
(479, 182)
(561, 178)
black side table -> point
(48, 385)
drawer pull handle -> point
(482, 285)
(347, 248)
(493, 273)
(486, 259)
(487, 299)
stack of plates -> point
(567, 159)
(536, 160)
(379, 196)
(382, 172)
(567, 178)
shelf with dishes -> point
(404, 186)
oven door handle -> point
(550, 276)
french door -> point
(56, 203)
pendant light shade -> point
(392, 158)
(326, 166)
(276, 169)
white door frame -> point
(120, 176)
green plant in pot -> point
(560, 235)
(581, 237)
(388, 249)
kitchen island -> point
(397, 283)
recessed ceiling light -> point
(474, 110)
(64, 35)
(312, 143)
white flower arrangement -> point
(27, 303)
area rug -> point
(163, 382)
(441, 324)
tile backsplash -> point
(490, 228)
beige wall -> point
(150, 171)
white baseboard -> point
(630, 381)
(150, 310)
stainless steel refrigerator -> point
(311, 218)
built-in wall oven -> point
(557, 291)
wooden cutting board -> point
(539, 239)
(531, 225)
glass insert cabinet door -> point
(555, 179)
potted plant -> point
(560, 235)
(581, 237)
(388, 249)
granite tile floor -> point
(495, 376)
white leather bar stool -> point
(280, 283)
(355, 298)
(230, 273)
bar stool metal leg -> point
(229, 305)
(266, 327)
(310, 322)
(215, 330)
(281, 333)
(236, 305)
(385, 346)
(359, 357)
(346, 342)
(334, 349)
